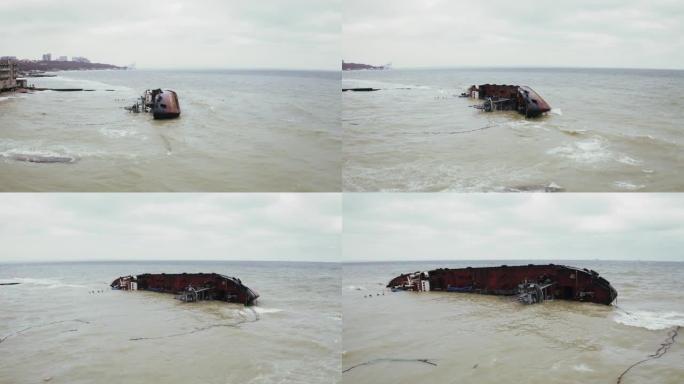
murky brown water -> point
(487, 339)
(606, 132)
(238, 131)
(55, 330)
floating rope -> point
(426, 361)
(43, 325)
(207, 327)
(664, 347)
(488, 126)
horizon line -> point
(157, 260)
(502, 260)
(327, 262)
(521, 66)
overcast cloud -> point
(301, 34)
(513, 226)
(289, 227)
(584, 33)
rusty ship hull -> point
(165, 104)
(520, 98)
(213, 286)
(559, 281)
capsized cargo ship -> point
(531, 283)
(504, 97)
(163, 104)
(190, 286)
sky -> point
(284, 34)
(385, 227)
(95, 227)
(561, 33)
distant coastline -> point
(51, 66)
(358, 66)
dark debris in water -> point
(375, 361)
(43, 158)
(2, 339)
(664, 347)
(206, 327)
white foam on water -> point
(556, 111)
(19, 154)
(650, 320)
(30, 152)
(518, 123)
(10, 149)
(626, 185)
(116, 133)
(588, 151)
(355, 288)
(88, 84)
(629, 160)
(262, 310)
(3, 98)
(48, 283)
(574, 132)
(582, 368)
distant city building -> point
(63, 58)
(8, 75)
(10, 58)
(80, 59)
(47, 57)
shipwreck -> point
(504, 97)
(530, 283)
(163, 104)
(190, 286)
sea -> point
(449, 337)
(239, 130)
(609, 130)
(63, 324)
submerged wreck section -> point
(504, 97)
(531, 283)
(190, 286)
(163, 104)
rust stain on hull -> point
(550, 281)
(165, 104)
(504, 97)
(209, 286)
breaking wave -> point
(629, 186)
(34, 156)
(588, 151)
(3, 98)
(99, 85)
(262, 310)
(650, 320)
(48, 283)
